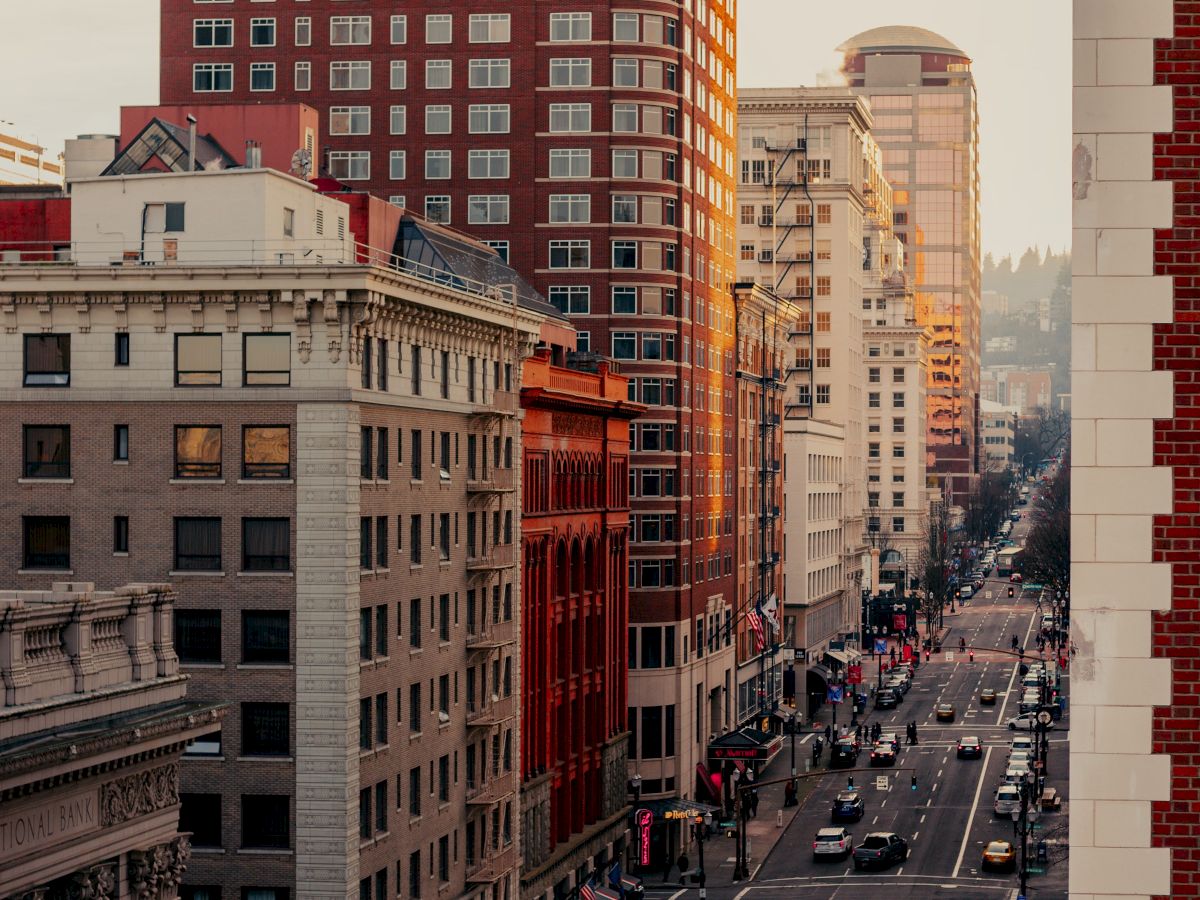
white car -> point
(829, 842)
(1008, 799)
(1019, 758)
(965, 592)
(1021, 743)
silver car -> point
(833, 842)
(1008, 799)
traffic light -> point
(914, 782)
(849, 782)
(1010, 591)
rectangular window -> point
(625, 73)
(487, 163)
(573, 72)
(571, 299)
(487, 209)
(625, 117)
(399, 30)
(265, 729)
(266, 545)
(437, 119)
(571, 26)
(624, 301)
(47, 542)
(48, 451)
(303, 76)
(414, 794)
(570, 163)
(266, 636)
(120, 534)
(489, 73)
(266, 451)
(350, 165)
(47, 360)
(349, 120)
(198, 635)
(349, 30)
(490, 28)
(625, 164)
(266, 821)
(414, 548)
(438, 74)
(350, 75)
(624, 345)
(570, 208)
(488, 118)
(201, 814)
(262, 32)
(398, 75)
(398, 120)
(197, 451)
(197, 544)
(624, 254)
(303, 26)
(624, 208)
(437, 207)
(212, 33)
(197, 360)
(439, 29)
(570, 117)
(625, 26)
(210, 78)
(437, 164)
(267, 360)
(262, 76)
(570, 254)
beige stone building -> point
(319, 447)
(93, 725)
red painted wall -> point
(1175, 823)
(34, 226)
(575, 532)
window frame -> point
(177, 558)
(62, 378)
(257, 470)
(61, 561)
(207, 474)
(55, 471)
(266, 562)
(249, 376)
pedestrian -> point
(858, 733)
(754, 803)
(789, 794)
(828, 732)
(682, 862)
(914, 732)
(893, 654)
(816, 750)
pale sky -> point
(68, 65)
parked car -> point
(1030, 702)
(987, 697)
(897, 685)
(1020, 742)
(998, 856)
(883, 755)
(848, 806)
(1007, 799)
(1016, 578)
(832, 843)
(1018, 758)
(886, 698)
(881, 848)
(845, 754)
(1014, 775)
(945, 712)
(965, 592)
(969, 748)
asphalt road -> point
(948, 819)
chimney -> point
(191, 120)
(253, 155)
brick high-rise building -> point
(592, 145)
(321, 455)
(922, 94)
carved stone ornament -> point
(97, 883)
(135, 795)
(157, 872)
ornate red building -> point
(575, 534)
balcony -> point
(492, 559)
(498, 403)
(491, 868)
(493, 481)
(485, 715)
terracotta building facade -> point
(94, 724)
(575, 556)
(593, 147)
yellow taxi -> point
(945, 712)
(999, 855)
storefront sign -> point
(643, 820)
(738, 752)
(46, 825)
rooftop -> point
(899, 39)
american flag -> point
(755, 620)
(586, 893)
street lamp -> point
(1022, 819)
(739, 864)
(700, 829)
(635, 785)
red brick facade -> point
(1176, 822)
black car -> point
(881, 848)
(969, 748)
(848, 806)
(885, 699)
(883, 755)
(845, 754)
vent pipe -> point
(191, 120)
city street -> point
(948, 819)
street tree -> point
(1048, 546)
(1041, 436)
(989, 503)
(937, 554)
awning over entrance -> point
(748, 745)
(841, 656)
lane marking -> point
(922, 822)
(971, 815)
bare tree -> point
(1040, 436)
(935, 560)
(1048, 547)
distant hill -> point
(1040, 341)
